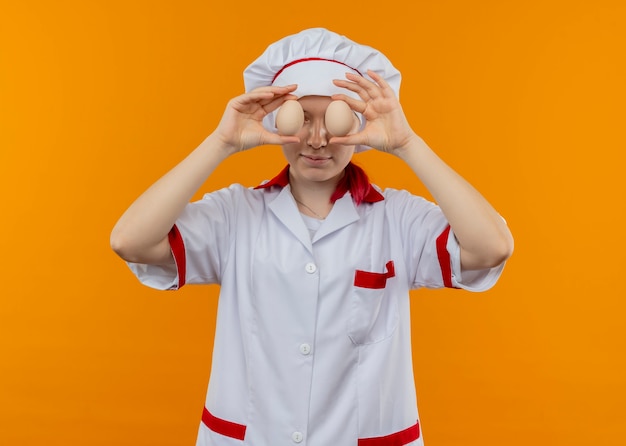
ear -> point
(289, 118)
(339, 118)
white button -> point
(297, 437)
(310, 268)
(305, 349)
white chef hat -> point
(312, 58)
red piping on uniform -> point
(309, 59)
(178, 251)
(444, 257)
(398, 439)
(223, 427)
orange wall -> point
(99, 98)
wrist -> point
(214, 146)
(411, 147)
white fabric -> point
(314, 77)
(311, 223)
(299, 347)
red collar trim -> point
(370, 196)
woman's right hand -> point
(241, 126)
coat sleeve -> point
(200, 242)
(430, 248)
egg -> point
(289, 118)
(339, 118)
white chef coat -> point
(313, 342)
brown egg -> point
(339, 118)
(289, 118)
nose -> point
(318, 135)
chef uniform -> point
(313, 336)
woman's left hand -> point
(386, 128)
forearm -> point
(140, 235)
(483, 235)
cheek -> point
(289, 152)
(344, 155)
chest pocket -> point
(374, 307)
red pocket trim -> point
(368, 279)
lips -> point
(315, 160)
(316, 157)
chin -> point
(321, 176)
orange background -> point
(524, 99)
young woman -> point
(313, 341)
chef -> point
(313, 335)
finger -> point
(354, 139)
(279, 140)
(372, 88)
(276, 89)
(275, 102)
(354, 104)
(262, 99)
(354, 87)
(385, 88)
(288, 87)
(254, 96)
(265, 94)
